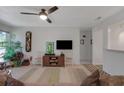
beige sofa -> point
(97, 78)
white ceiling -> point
(72, 16)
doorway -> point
(85, 47)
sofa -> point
(97, 78)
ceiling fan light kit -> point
(43, 17)
(43, 14)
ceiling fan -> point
(43, 13)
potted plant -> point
(13, 52)
(17, 59)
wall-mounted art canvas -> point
(28, 41)
(49, 47)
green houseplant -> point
(11, 53)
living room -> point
(66, 25)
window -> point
(3, 43)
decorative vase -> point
(62, 54)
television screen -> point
(64, 44)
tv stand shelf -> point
(53, 61)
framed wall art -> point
(49, 47)
(28, 41)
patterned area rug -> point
(73, 74)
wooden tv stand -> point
(53, 61)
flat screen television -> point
(64, 44)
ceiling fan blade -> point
(48, 20)
(53, 9)
(29, 13)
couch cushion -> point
(91, 80)
(111, 81)
(3, 77)
(7, 80)
(13, 82)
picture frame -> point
(28, 44)
(49, 47)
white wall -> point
(116, 36)
(40, 35)
(4, 27)
(113, 61)
(97, 35)
(86, 48)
